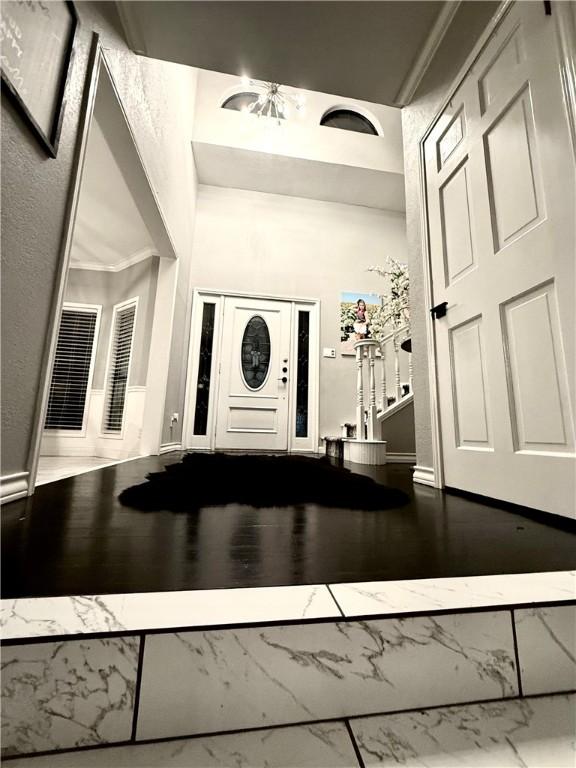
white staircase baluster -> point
(383, 384)
(359, 394)
(372, 410)
(397, 368)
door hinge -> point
(547, 7)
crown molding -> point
(427, 53)
(134, 258)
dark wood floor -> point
(73, 537)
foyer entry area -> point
(100, 404)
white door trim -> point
(565, 22)
(97, 66)
(564, 15)
(207, 441)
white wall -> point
(274, 244)
(161, 96)
(301, 135)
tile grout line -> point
(516, 652)
(336, 601)
(139, 672)
(354, 743)
(231, 732)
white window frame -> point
(115, 310)
(91, 309)
(353, 107)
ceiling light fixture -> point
(272, 101)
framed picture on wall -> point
(37, 39)
(355, 311)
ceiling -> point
(362, 50)
(222, 166)
(109, 230)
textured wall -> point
(470, 20)
(34, 196)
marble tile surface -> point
(322, 745)
(67, 694)
(547, 648)
(378, 597)
(45, 616)
(526, 733)
(205, 681)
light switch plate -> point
(328, 352)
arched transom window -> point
(240, 101)
(348, 120)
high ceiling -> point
(362, 50)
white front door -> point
(255, 370)
(500, 182)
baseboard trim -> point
(169, 447)
(14, 487)
(424, 476)
(400, 458)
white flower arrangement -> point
(395, 309)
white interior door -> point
(500, 181)
(253, 399)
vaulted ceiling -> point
(362, 50)
(109, 228)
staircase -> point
(377, 400)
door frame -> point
(207, 442)
(100, 70)
(565, 22)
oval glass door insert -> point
(255, 352)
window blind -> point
(118, 368)
(71, 371)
